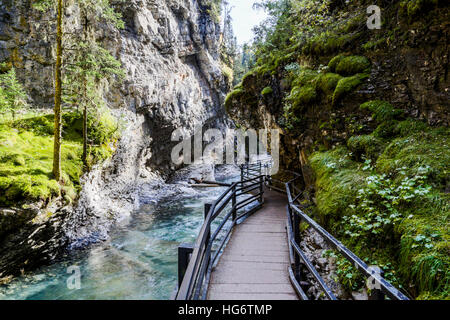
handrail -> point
(194, 272)
(381, 287)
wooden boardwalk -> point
(254, 265)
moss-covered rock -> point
(234, 94)
(415, 149)
(337, 182)
(327, 82)
(382, 110)
(302, 96)
(267, 91)
(305, 77)
(347, 85)
(351, 65)
(368, 145)
(334, 62)
(407, 176)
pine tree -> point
(90, 63)
(4, 106)
(12, 94)
(87, 64)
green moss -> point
(301, 96)
(416, 251)
(382, 110)
(26, 154)
(371, 45)
(247, 76)
(42, 126)
(347, 85)
(267, 91)
(351, 65)
(326, 83)
(337, 183)
(328, 42)
(428, 148)
(410, 126)
(413, 8)
(368, 145)
(387, 129)
(31, 179)
(305, 77)
(235, 94)
(334, 62)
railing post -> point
(375, 293)
(296, 227)
(233, 203)
(184, 251)
(208, 231)
(242, 172)
(261, 189)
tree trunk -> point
(85, 107)
(58, 116)
(85, 164)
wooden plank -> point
(255, 262)
(252, 296)
(251, 288)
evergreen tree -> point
(4, 106)
(90, 63)
(12, 94)
(87, 64)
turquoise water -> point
(138, 262)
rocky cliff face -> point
(170, 52)
(409, 68)
(356, 104)
(169, 49)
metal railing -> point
(195, 262)
(379, 286)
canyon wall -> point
(170, 52)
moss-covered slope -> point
(364, 115)
(26, 149)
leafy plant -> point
(380, 199)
